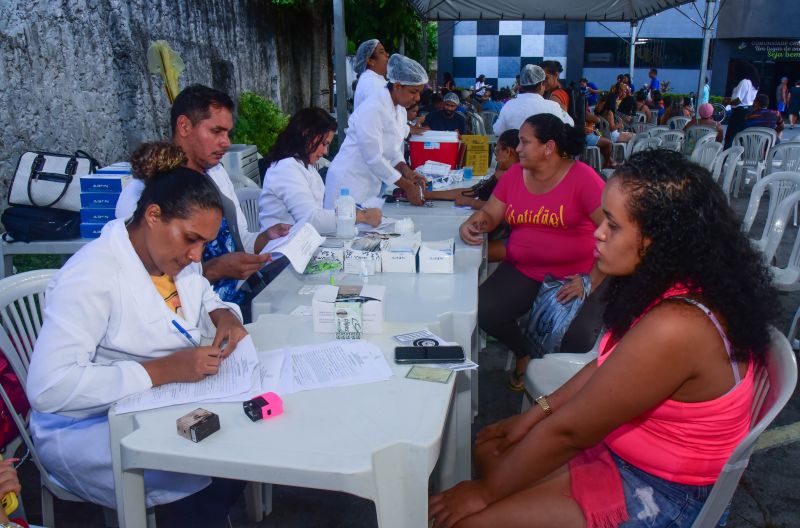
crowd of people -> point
(680, 337)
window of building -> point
(612, 52)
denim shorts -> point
(653, 502)
(592, 139)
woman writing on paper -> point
(372, 153)
(108, 333)
(293, 189)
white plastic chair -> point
(21, 303)
(783, 278)
(783, 157)
(780, 185)
(645, 144)
(677, 122)
(693, 134)
(725, 169)
(640, 128)
(603, 127)
(639, 117)
(672, 140)
(654, 117)
(248, 200)
(705, 154)
(489, 118)
(756, 144)
(591, 156)
(655, 130)
(774, 384)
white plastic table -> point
(380, 441)
(43, 247)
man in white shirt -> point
(741, 99)
(529, 102)
(370, 64)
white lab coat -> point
(517, 110)
(103, 317)
(126, 205)
(368, 83)
(372, 148)
(293, 192)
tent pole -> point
(704, 60)
(632, 58)
(424, 61)
(340, 55)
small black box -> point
(198, 424)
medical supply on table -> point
(186, 334)
(437, 256)
(467, 173)
(345, 214)
(399, 255)
(327, 299)
(268, 405)
(404, 225)
(198, 424)
(348, 319)
(360, 250)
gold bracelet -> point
(544, 404)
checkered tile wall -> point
(499, 49)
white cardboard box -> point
(354, 257)
(437, 257)
(399, 255)
(329, 254)
(324, 301)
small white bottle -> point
(345, 214)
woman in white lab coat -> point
(108, 333)
(293, 189)
(372, 153)
(370, 65)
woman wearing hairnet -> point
(372, 153)
(370, 65)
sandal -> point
(515, 382)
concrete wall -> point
(74, 73)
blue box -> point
(91, 230)
(97, 216)
(99, 200)
(104, 183)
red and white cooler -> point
(434, 146)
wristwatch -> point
(544, 404)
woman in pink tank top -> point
(638, 437)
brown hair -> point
(152, 158)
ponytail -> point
(569, 140)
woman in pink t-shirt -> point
(552, 205)
(639, 436)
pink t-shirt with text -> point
(551, 232)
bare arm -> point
(482, 221)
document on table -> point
(298, 246)
(235, 376)
(333, 364)
(266, 378)
(386, 222)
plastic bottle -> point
(345, 214)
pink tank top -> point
(684, 442)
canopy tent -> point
(586, 10)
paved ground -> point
(766, 497)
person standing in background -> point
(370, 65)
(782, 95)
(742, 98)
(706, 93)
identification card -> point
(437, 375)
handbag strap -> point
(93, 163)
(36, 173)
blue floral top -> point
(225, 288)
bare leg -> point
(546, 504)
(605, 149)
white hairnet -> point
(405, 71)
(531, 74)
(364, 52)
(450, 97)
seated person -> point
(108, 333)
(447, 119)
(549, 201)
(706, 111)
(615, 123)
(293, 189)
(761, 116)
(675, 107)
(641, 105)
(495, 102)
(639, 436)
(594, 139)
(416, 122)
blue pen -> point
(186, 334)
(360, 207)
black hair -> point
(304, 133)
(584, 79)
(654, 70)
(656, 95)
(641, 96)
(552, 67)
(496, 95)
(509, 138)
(195, 102)
(569, 140)
(448, 76)
(628, 105)
(692, 231)
(762, 100)
(479, 77)
(610, 102)
(177, 192)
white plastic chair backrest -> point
(21, 307)
(639, 117)
(641, 128)
(657, 129)
(646, 143)
(779, 221)
(726, 164)
(654, 117)
(774, 382)
(771, 131)
(783, 157)
(756, 144)
(248, 200)
(477, 124)
(591, 156)
(677, 122)
(489, 118)
(706, 153)
(693, 134)
(780, 185)
(603, 126)
(671, 139)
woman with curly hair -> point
(639, 436)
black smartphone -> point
(429, 354)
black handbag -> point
(46, 179)
(26, 223)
